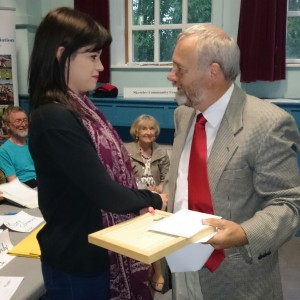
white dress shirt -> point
(214, 115)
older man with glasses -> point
(15, 158)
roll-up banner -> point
(8, 64)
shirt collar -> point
(214, 113)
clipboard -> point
(133, 238)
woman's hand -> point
(156, 188)
(1, 196)
(150, 209)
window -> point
(293, 32)
(153, 27)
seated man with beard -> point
(15, 159)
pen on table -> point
(9, 213)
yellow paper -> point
(28, 247)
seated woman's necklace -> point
(147, 177)
(144, 156)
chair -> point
(2, 177)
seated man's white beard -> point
(22, 133)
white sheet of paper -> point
(23, 222)
(185, 223)
(5, 245)
(4, 218)
(20, 193)
(190, 258)
(8, 286)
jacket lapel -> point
(185, 117)
(225, 143)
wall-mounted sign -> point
(8, 64)
(150, 92)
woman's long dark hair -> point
(62, 27)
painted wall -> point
(225, 14)
(29, 14)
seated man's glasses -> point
(18, 122)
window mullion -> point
(184, 13)
(292, 53)
(293, 13)
(130, 41)
(156, 30)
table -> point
(32, 286)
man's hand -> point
(164, 198)
(229, 234)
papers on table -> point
(5, 246)
(3, 219)
(8, 286)
(29, 246)
(22, 222)
(20, 193)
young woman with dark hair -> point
(85, 180)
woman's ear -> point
(59, 52)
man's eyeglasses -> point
(18, 122)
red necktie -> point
(198, 185)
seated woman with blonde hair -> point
(151, 165)
(149, 160)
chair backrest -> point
(2, 177)
(168, 148)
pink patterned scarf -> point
(129, 279)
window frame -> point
(215, 20)
(129, 28)
(291, 13)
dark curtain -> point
(262, 39)
(99, 10)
